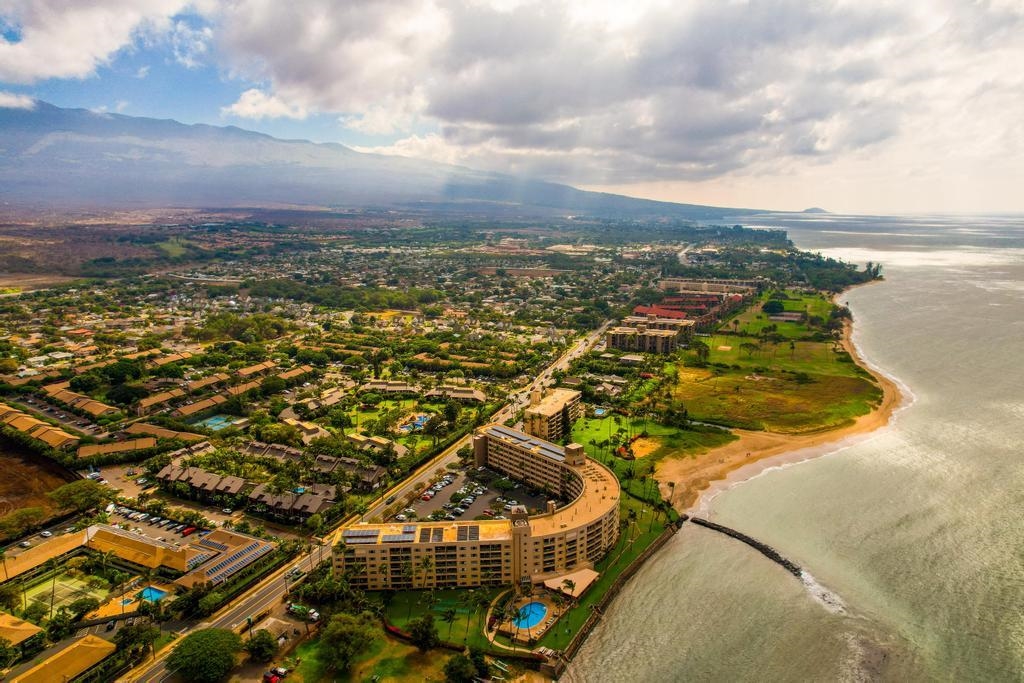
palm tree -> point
(53, 566)
(426, 564)
(569, 586)
(448, 617)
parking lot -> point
(75, 423)
(447, 498)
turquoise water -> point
(216, 422)
(530, 615)
(910, 537)
(152, 594)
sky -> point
(856, 107)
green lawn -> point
(386, 659)
(667, 442)
(173, 247)
(408, 605)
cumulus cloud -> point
(256, 104)
(599, 92)
(10, 100)
(60, 39)
(611, 94)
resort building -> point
(54, 437)
(524, 549)
(683, 328)
(642, 338)
(551, 416)
(66, 662)
(140, 444)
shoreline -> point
(698, 480)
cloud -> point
(256, 104)
(680, 93)
(10, 100)
(190, 44)
(59, 39)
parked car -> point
(25, 544)
(46, 534)
(400, 518)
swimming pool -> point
(152, 594)
(530, 615)
(217, 422)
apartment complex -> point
(551, 416)
(642, 338)
(525, 549)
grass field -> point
(790, 386)
(468, 624)
(775, 401)
(387, 659)
(174, 247)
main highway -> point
(271, 591)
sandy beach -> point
(756, 451)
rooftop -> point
(553, 402)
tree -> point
(81, 495)
(19, 521)
(7, 653)
(459, 669)
(205, 656)
(448, 617)
(346, 636)
(82, 606)
(135, 636)
(262, 646)
(423, 632)
(773, 307)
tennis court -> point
(65, 591)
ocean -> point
(912, 537)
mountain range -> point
(51, 157)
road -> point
(420, 479)
(265, 596)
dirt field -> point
(24, 283)
(645, 446)
(27, 479)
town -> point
(337, 449)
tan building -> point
(642, 338)
(524, 549)
(551, 416)
(684, 328)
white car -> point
(45, 534)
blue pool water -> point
(530, 615)
(600, 412)
(216, 422)
(151, 594)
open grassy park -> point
(780, 376)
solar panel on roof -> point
(424, 535)
(398, 538)
(462, 533)
(438, 535)
(474, 533)
(409, 529)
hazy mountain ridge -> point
(57, 157)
